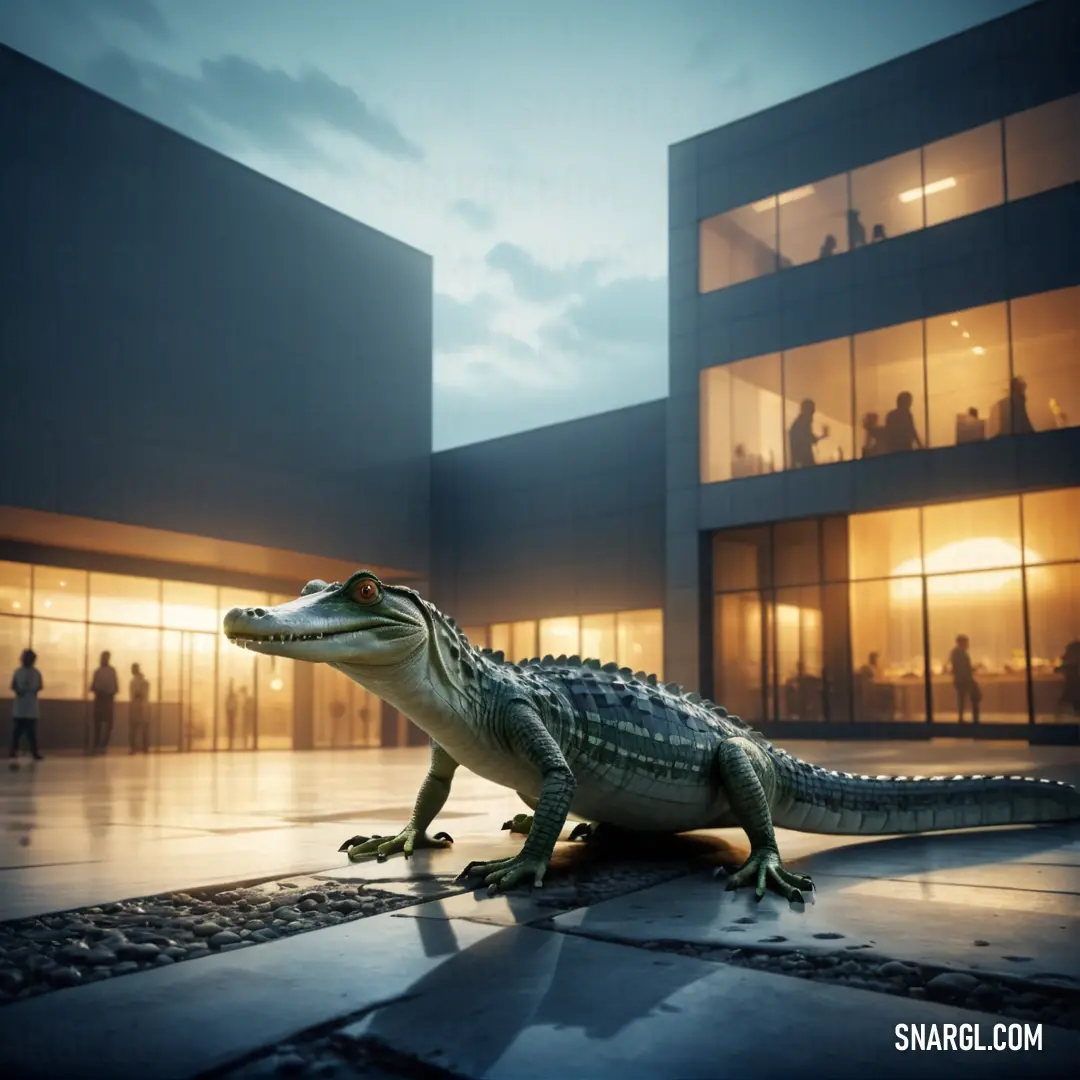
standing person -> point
(248, 718)
(900, 432)
(104, 687)
(963, 672)
(26, 684)
(230, 714)
(801, 437)
(139, 711)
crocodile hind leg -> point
(748, 780)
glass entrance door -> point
(188, 678)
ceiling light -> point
(763, 205)
(954, 323)
(978, 350)
(966, 334)
(929, 189)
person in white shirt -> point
(26, 684)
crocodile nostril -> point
(256, 612)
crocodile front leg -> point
(532, 742)
(748, 780)
(430, 800)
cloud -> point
(478, 216)
(462, 324)
(536, 282)
(63, 32)
(142, 14)
(628, 315)
(274, 110)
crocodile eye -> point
(365, 591)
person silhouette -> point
(828, 247)
(139, 711)
(801, 437)
(900, 433)
(26, 684)
(231, 705)
(104, 688)
(856, 230)
(963, 672)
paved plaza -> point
(633, 964)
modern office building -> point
(873, 449)
(214, 389)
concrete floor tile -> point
(512, 910)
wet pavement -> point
(655, 981)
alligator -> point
(603, 744)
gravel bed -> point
(998, 995)
(73, 948)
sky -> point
(521, 143)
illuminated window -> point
(61, 651)
(796, 553)
(130, 601)
(884, 544)
(963, 174)
(560, 637)
(1046, 361)
(1042, 147)
(967, 374)
(522, 640)
(500, 639)
(1052, 525)
(886, 199)
(274, 680)
(813, 221)
(1053, 596)
(981, 534)
(192, 607)
(738, 245)
(14, 588)
(715, 425)
(59, 593)
(742, 559)
(799, 653)
(129, 645)
(640, 641)
(14, 637)
(817, 405)
(598, 641)
(742, 658)
(757, 416)
(890, 401)
(477, 635)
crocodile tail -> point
(812, 799)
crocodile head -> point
(362, 623)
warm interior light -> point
(978, 350)
(16, 605)
(276, 683)
(954, 323)
(929, 189)
(63, 584)
(986, 553)
(763, 205)
(48, 603)
(965, 334)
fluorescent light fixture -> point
(930, 189)
(763, 205)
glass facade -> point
(1027, 153)
(1011, 368)
(950, 612)
(633, 639)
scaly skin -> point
(602, 744)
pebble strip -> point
(983, 992)
(73, 948)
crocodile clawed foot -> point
(405, 843)
(764, 869)
(356, 841)
(581, 831)
(519, 823)
(503, 874)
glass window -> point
(640, 641)
(834, 545)
(500, 639)
(274, 679)
(742, 655)
(560, 637)
(715, 425)
(1052, 525)
(522, 640)
(61, 649)
(887, 650)
(1054, 619)
(14, 588)
(963, 174)
(742, 559)
(346, 715)
(817, 404)
(229, 598)
(885, 544)
(59, 593)
(796, 553)
(598, 640)
(889, 393)
(757, 416)
(813, 221)
(128, 645)
(981, 534)
(477, 635)
(1042, 147)
(977, 655)
(191, 607)
(276, 599)
(738, 245)
(967, 374)
(800, 653)
(236, 680)
(14, 637)
(886, 199)
(1046, 361)
(131, 601)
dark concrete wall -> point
(190, 346)
(1023, 60)
(564, 520)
